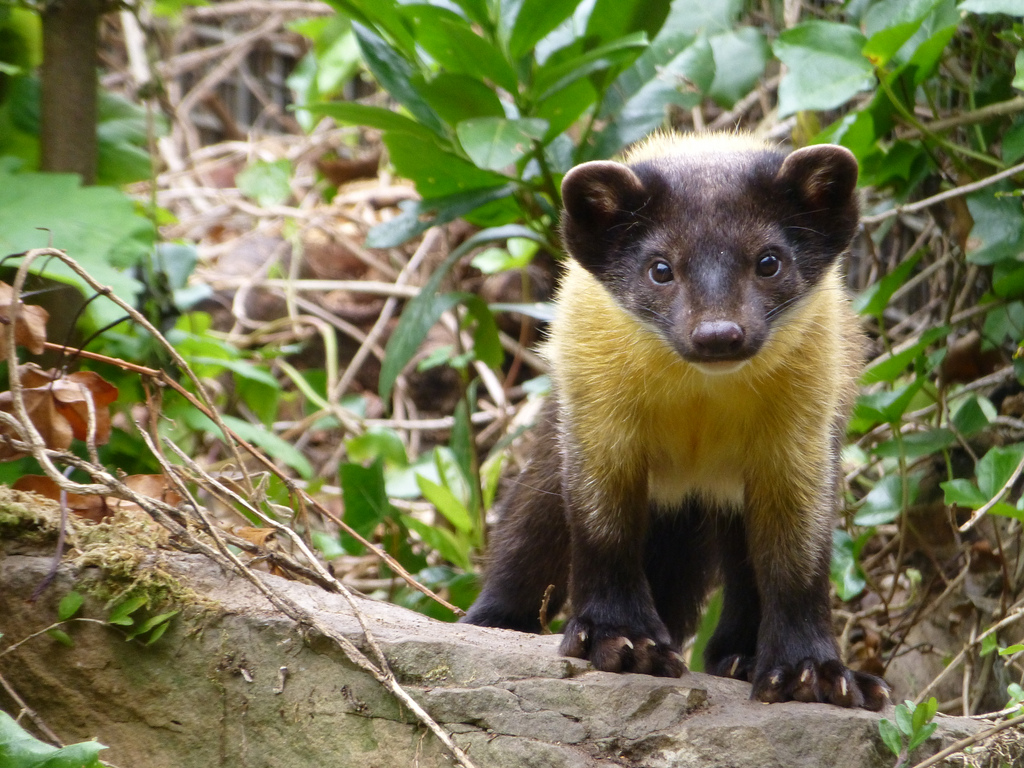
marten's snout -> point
(718, 339)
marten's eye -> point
(661, 272)
(768, 265)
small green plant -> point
(145, 628)
(18, 749)
(1015, 703)
(912, 728)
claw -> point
(627, 643)
(734, 667)
(805, 677)
(582, 637)
(843, 687)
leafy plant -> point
(19, 749)
(913, 727)
(499, 100)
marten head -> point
(712, 242)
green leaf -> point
(150, 623)
(1009, 7)
(491, 261)
(444, 500)
(922, 714)
(417, 319)
(996, 467)
(353, 113)
(18, 749)
(922, 736)
(916, 444)
(157, 633)
(241, 368)
(887, 406)
(366, 501)
(457, 47)
(534, 20)
(612, 19)
(709, 16)
(1005, 510)
(459, 97)
(890, 736)
(121, 613)
(989, 643)
(890, 368)
(1014, 689)
(463, 448)
(486, 343)
(963, 493)
(740, 58)
(273, 445)
(885, 501)
(69, 605)
(98, 226)
(266, 183)
(394, 74)
(845, 571)
(873, 299)
(884, 44)
(826, 67)
(557, 75)
(495, 143)
(419, 216)
(61, 637)
(1018, 76)
(904, 720)
(377, 443)
(973, 415)
(423, 311)
(998, 231)
(442, 540)
(435, 171)
(640, 98)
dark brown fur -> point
(694, 429)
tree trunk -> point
(69, 87)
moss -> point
(27, 517)
(126, 548)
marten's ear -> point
(823, 175)
(821, 181)
(599, 197)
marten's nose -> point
(717, 338)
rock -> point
(235, 684)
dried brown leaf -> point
(58, 406)
(71, 394)
(152, 486)
(257, 536)
(30, 328)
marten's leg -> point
(789, 537)
(731, 649)
(614, 621)
(681, 563)
(529, 546)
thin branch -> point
(959, 746)
(949, 194)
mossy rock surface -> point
(235, 684)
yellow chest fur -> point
(634, 406)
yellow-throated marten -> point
(704, 359)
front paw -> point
(615, 648)
(736, 665)
(822, 681)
